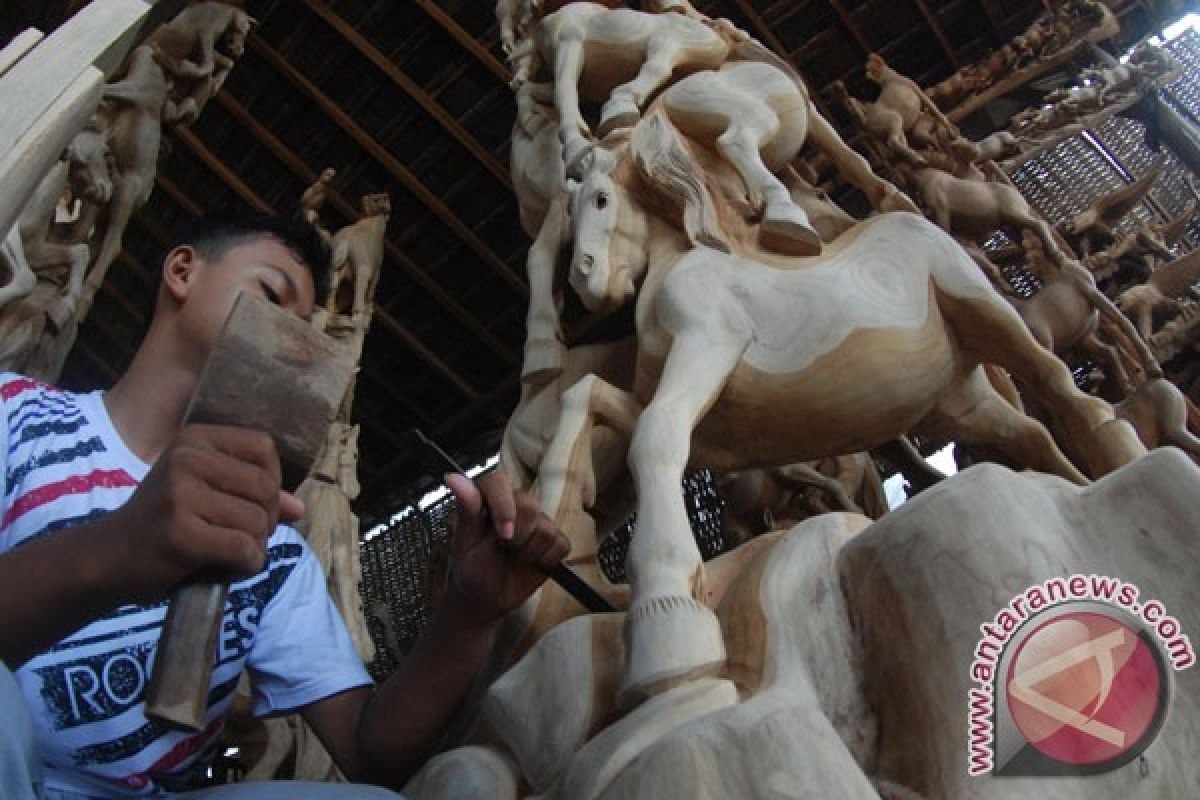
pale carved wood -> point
(813, 705)
(166, 81)
(1161, 292)
(707, 356)
(52, 90)
(1108, 91)
(1047, 42)
(757, 501)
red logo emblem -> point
(1086, 691)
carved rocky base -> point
(812, 706)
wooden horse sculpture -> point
(357, 254)
(619, 56)
(745, 365)
(1066, 312)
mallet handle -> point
(177, 695)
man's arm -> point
(385, 735)
(209, 503)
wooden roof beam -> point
(412, 89)
(227, 176)
(992, 16)
(393, 165)
(469, 42)
(306, 174)
(848, 22)
(483, 404)
(384, 318)
(939, 34)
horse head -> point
(607, 260)
(233, 40)
(611, 226)
(375, 205)
(90, 161)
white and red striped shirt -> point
(64, 464)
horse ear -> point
(665, 163)
(602, 160)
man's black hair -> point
(213, 234)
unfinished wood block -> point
(922, 580)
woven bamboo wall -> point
(405, 564)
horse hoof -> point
(617, 114)
(543, 361)
(787, 231)
(576, 156)
(670, 641)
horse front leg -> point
(785, 225)
(573, 132)
(566, 475)
(544, 348)
(624, 107)
(671, 637)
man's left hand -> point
(498, 560)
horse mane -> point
(667, 168)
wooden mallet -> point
(271, 371)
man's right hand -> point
(207, 506)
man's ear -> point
(179, 271)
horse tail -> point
(666, 165)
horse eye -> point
(601, 200)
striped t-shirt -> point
(64, 463)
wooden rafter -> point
(469, 42)
(993, 18)
(412, 89)
(307, 175)
(227, 176)
(392, 165)
(848, 22)
(939, 34)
